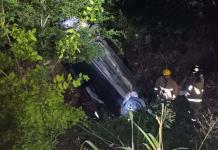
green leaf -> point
(32, 37)
(59, 78)
(11, 76)
(80, 75)
(69, 77)
(86, 77)
(39, 57)
(91, 2)
(180, 148)
(65, 85)
(70, 31)
(90, 144)
(150, 141)
(34, 53)
(89, 8)
(146, 145)
(154, 140)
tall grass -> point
(151, 142)
(210, 123)
(90, 144)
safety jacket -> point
(166, 88)
(195, 90)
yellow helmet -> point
(166, 72)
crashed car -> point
(111, 82)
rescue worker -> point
(166, 87)
(194, 92)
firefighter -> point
(194, 92)
(166, 87)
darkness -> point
(166, 11)
(164, 16)
(99, 84)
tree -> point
(32, 108)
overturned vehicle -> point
(111, 82)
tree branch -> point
(3, 73)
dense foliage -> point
(32, 46)
(33, 113)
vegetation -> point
(33, 81)
(144, 131)
(140, 130)
(32, 45)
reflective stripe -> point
(194, 100)
(166, 90)
(96, 114)
(190, 87)
(193, 119)
(197, 91)
(187, 94)
(155, 89)
(166, 93)
(196, 69)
